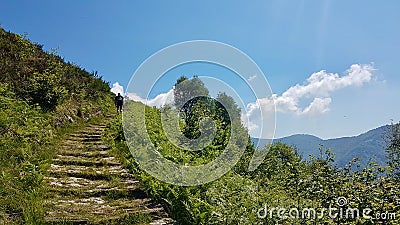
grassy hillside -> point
(41, 96)
(283, 180)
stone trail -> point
(89, 186)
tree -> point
(393, 149)
(225, 105)
(187, 92)
(192, 101)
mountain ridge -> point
(366, 146)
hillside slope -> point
(46, 81)
(41, 96)
(364, 146)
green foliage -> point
(132, 219)
(393, 150)
(24, 134)
(187, 92)
(44, 78)
(283, 180)
(41, 96)
(226, 104)
(44, 90)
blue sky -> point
(289, 40)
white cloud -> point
(323, 83)
(317, 106)
(117, 88)
(158, 101)
(248, 123)
(251, 78)
(318, 87)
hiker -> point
(119, 101)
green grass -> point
(28, 142)
(131, 219)
(282, 180)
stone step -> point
(88, 138)
(80, 135)
(86, 154)
(93, 176)
(128, 192)
(86, 147)
(97, 126)
(66, 221)
(86, 185)
(99, 209)
(91, 132)
(81, 161)
(102, 158)
(92, 173)
(93, 129)
(75, 142)
(80, 182)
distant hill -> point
(364, 146)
